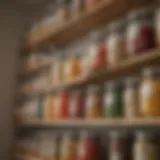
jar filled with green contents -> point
(113, 102)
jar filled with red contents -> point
(140, 34)
(88, 147)
(97, 51)
(120, 146)
(77, 104)
(62, 104)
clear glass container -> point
(140, 33)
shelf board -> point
(105, 11)
(124, 68)
(119, 122)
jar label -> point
(147, 91)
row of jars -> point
(107, 47)
(87, 145)
(60, 12)
(133, 97)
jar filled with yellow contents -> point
(150, 92)
(68, 150)
(72, 67)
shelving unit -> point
(69, 31)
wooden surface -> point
(107, 10)
(124, 68)
(119, 122)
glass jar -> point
(93, 107)
(140, 34)
(77, 104)
(56, 72)
(150, 92)
(97, 51)
(88, 147)
(145, 147)
(48, 107)
(131, 97)
(73, 67)
(115, 43)
(120, 146)
(113, 100)
(69, 147)
(62, 105)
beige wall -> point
(11, 28)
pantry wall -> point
(13, 22)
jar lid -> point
(114, 85)
(132, 81)
(94, 88)
(87, 134)
(141, 13)
(69, 135)
(151, 71)
(117, 26)
(144, 135)
(118, 134)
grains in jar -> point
(115, 43)
(131, 97)
(140, 33)
(150, 92)
(145, 147)
(93, 108)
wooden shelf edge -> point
(117, 122)
(73, 29)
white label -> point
(109, 99)
(147, 91)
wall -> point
(11, 28)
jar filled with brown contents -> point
(120, 146)
(91, 4)
(94, 104)
(131, 97)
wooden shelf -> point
(75, 28)
(119, 122)
(125, 68)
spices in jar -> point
(131, 98)
(56, 73)
(145, 147)
(97, 51)
(120, 146)
(72, 67)
(113, 100)
(48, 112)
(62, 105)
(69, 147)
(150, 92)
(140, 34)
(115, 43)
(93, 107)
(77, 104)
(88, 147)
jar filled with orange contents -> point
(97, 50)
(72, 67)
(150, 92)
(69, 147)
(62, 105)
(94, 102)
